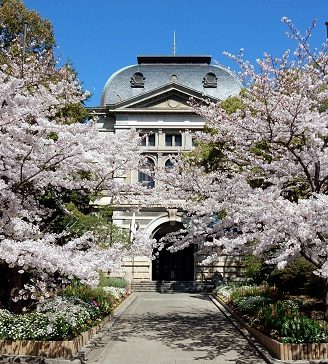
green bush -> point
(283, 321)
(255, 269)
(112, 282)
(280, 319)
(297, 277)
(271, 317)
(302, 330)
(96, 296)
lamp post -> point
(23, 47)
(326, 23)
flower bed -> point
(277, 324)
(61, 325)
(51, 349)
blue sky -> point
(102, 36)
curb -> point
(82, 354)
(263, 352)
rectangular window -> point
(178, 140)
(143, 141)
(168, 140)
(173, 140)
(147, 140)
(151, 140)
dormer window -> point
(210, 80)
(174, 78)
(137, 80)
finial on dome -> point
(174, 44)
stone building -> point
(153, 97)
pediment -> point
(167, 101)
(168, 98)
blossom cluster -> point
(267, 192)
(41, 155)
(116, 292)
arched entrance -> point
(167, 266)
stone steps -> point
(171, 286)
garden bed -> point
(279, 350)
(52, 349)
(59, 326)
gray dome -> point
(204, 78)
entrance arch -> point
(167, 266)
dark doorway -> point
(178, 266)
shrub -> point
(69, 316)
(282, 321)
(246, 291)
(250, 305)
(297, 277)
(255, 269)
(303, 330)
(117, 293)
(112, 282)
(271, 317)
(96, 296)
(56, 319)
(224, 291)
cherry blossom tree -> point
(268, 192)
(42, 157)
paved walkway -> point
(173, 329)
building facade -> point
(153, 97)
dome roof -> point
(153, 72)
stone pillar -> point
(160, 138)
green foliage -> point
(13, 14)
(280, 319)
(297, 277)
(303, 330)
(232, 104)
(271, 317)
(262, 148)
(98, 222)
(323, 106)
(112, 281)
(97, 296)
(39, 38)
(212, 156)
(73, 113)
(247, 291)
(255, 269)
(283, 321)
(250, 305)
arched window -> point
(146, 173)
(169, 165)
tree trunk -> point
(325, 300)
(16, 284)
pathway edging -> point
(263, 352)
(82, 354)
(117, 313)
